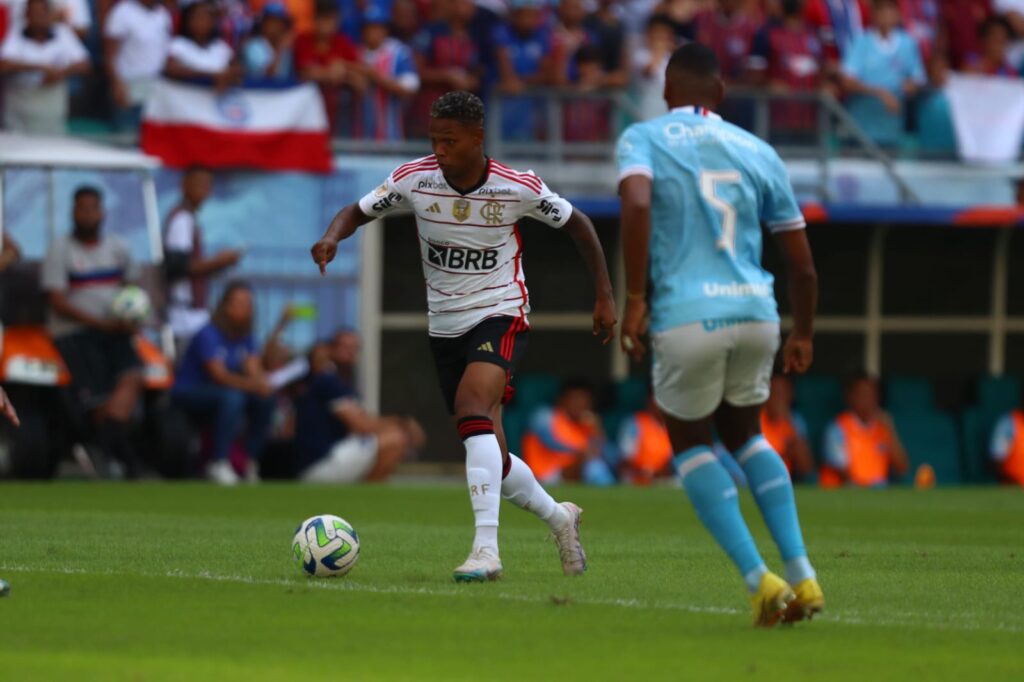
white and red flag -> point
(275, 128)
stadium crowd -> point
(379, 63)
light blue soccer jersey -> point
(714, 184)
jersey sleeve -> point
(546, 206)
(387, 198)
(633, 154)
(779, 208)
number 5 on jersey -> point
(709, 180)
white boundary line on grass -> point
(953, 622)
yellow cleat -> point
(809, 602)
(771, 600)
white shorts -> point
(349, 461)
(698, 365)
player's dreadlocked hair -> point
(459, 105)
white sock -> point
(483, 474)
(521, 488)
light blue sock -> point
(716, 501)
(773, 490)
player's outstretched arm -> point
(635, 193)
(343, 226)
(581, 229)
(798, 352)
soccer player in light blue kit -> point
(695, 192)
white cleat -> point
(252, 473)
(570, 549)
(221, 473)
(483, 564)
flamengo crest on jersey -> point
(469, 244)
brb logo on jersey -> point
(459, 258)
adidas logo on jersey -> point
(487, 347)
(434, 208)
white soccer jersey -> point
(469, 243)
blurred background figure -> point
(862, 447)
(36, 63)
(267, 54)
(198, 52)
(882, 70)
(447, 58)
(526, 58)
(221, 384)
(649, 62)
(839, 23)
(328, 58)
(786, 430)
(568, 442)
(729, 28)
(337, 440)
(993, 55)
(82, 274)
(1007, 448)
(137, 37)
(961, 20)
(645, 452)
(73, 14)
(390, 73)
(188, 268)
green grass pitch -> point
(192, 582)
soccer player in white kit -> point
(467, 206)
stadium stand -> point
(784, 63)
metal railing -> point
(833, 134)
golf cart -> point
(37, 178)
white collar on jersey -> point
(697, 111)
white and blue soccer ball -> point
(131, 304)
(325, 545)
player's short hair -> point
(195, 168)
(88, 191)
(885, 3)
(696, 61)
(459, 105)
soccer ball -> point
(325, 546)
(131, 304)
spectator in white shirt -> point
(198, 53)
(36, 63)
(73, 13)
(137, 35)
(188, 264)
